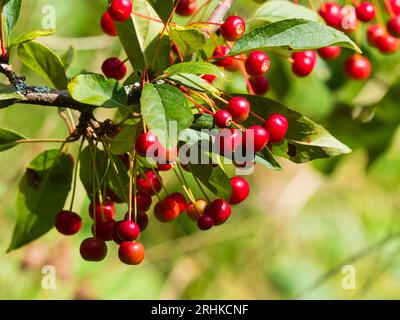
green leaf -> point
(194, 82)
(188, 39)
(195, 67)
(45, 62)
(8, 138)
(119, 183)
(123, 142)
(294, 34)
(67, 57)
(140, 38)
(163, 107)
(97, 90)
(203, 121)
(42, 194)
(163, 8)
(7, 92)
(32, 35)
(266, 158)
(10, 14)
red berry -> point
(166, 210)
(114, 233)
(120, 10)
(257, 136)
(103, 230)
(239, 108)
(358, 67)
(219, 210)
(240, 190)
(228, 141)
(186, 7)
(393, 26)
(374, 31)
(143, 201)
(365, 11)
(209, 78)
(180, 200)
(148, 183)
(387, 44)
(233, 28)
(131, 253)
(395, 4)
(196, 210)
(277, 126)
(114, 68)
(205, 222)
(234, 64)
(305, 54)
(164, 167)
(144, 142)
(128, 230)
(222, 118)
(93, 249)
(331, 12)
(163, 155)
(302, 65)
(107, 25)
(221, 59)
(257, 64)
(142, 219)
(260, 85)
(68, 222)
(105, 212)
(330, 52)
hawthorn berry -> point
(395, 5)
(114, 68)
(393, 26)
(358, 67)
(257, 63)
(120, 10)
(163, 155)
(387, 44)
(239, 108)
(142, 219)
(205, 222)
(164, 166)
(240, 190)
(103, 229)
(143, 201)
(186, 7)
(228, 141)
(331, 12)
(305, 54)
(303, 63)
(68, 222)
(260, 85)
(104, 212)
(220, 54)
(114, 232)
(219, 210)
(195, 210)
(233, 28)
(144, 142)
(131, 253)
(93, 249)
(107, 25)
(166, 210)
(209, 78)
(148, 183)
(222, 118)
(374, 31)
(277, 126)
(330, 52)
(180, 200)
(365, 11)
(256, 135)
(128, 230)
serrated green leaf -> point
(188, 39)
(97, 90)
(163, 8)
(195, 67)
(8, 138)
(31, 35)
(10, 14)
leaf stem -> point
(76, 175)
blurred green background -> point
(298, 224)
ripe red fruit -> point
(142, 220)
(302, 65)
(260, 85)
(387, 44)
(205, 222)
(106, 213)
(305, 54)
(131, 253)
(68, 222)
(180, 200)
(257, 63)
(365, 11)
(330, 52)
(219, 210)
(107, 25)
(144, 142)
(103, 230)
(196, 210)
(186, 7)
(239, 108)
(358, 67)
(374, 31)
(120, 10)
(93, 249)
(228, 141)
(222, 118)
(209, 78)
(258, 135)
(128, 230)
(114, 233)
(163, 155)
(395, 4)
(233, 28)
(114, 68)
(277, 126)
(143, 201)
(166, 210)
(164, 167)
(331, 12)
(220, 54)
(240, 190)
(393, 26)
(148, 183)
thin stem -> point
(188, 193)
(76, 175)
(130, 187)
(201, 188)
(44, 141)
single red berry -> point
(128, 230)
(365, 11)
(148, 183)
(209, 78)
(228, 141)
(234, 64)
(257, 63)
(164, 166)
(256, 136)
(114, 68)
(219, 210)
(277, 126)
(233, 28)
(358, 67)
(302, 65)
(68, 222)
(330, 52)
(166, 210)
(393, 26)
(260, 85)
(114, 233)
(144, 142)
(331, 12)
(387, 44)
(142, 219)
(180, 200)
(131, 253)
(107, 25)
(305, 54)
(205, 222)
(221, 59)
(93, 249)
(395, 4)
(143, 201)
(186, 7)
(103, 230)
(240, 190)
(104, 212)
(120, 10)
(196, 210)
(239, 108)
(374, 31)
(222, 118)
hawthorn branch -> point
(219, 13)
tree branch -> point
(219, 13)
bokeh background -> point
(290, 239)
